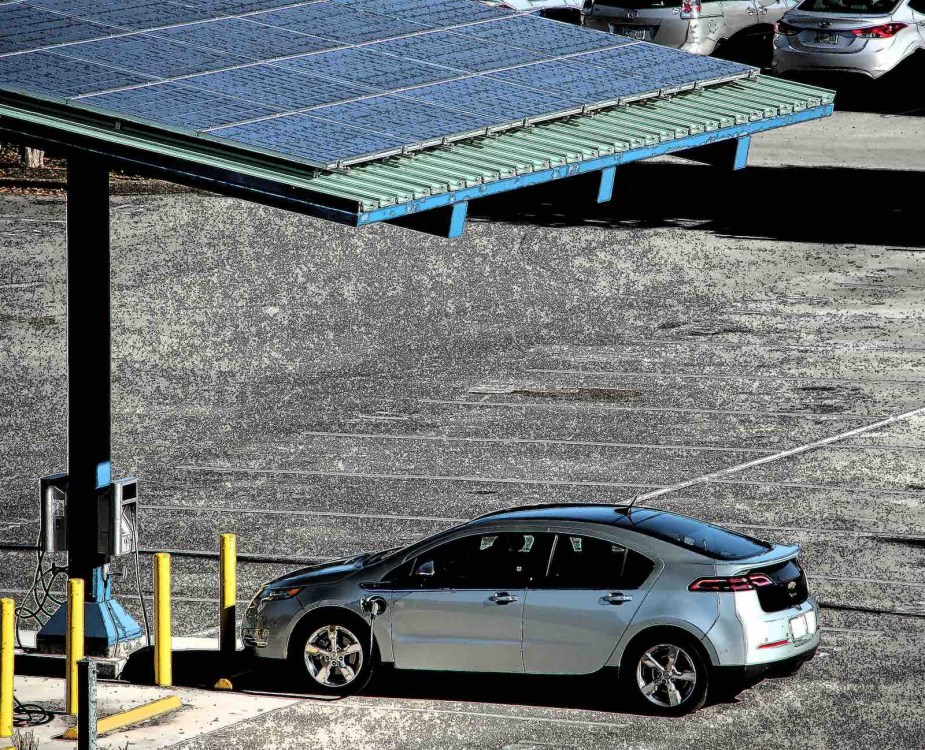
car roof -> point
(609, 514)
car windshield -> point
(852, 7)
(698, 536)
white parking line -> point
(827, 416)
(524, 481)
(711, 376)
(529, 441)
(789, 453)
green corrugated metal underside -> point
(636, 125)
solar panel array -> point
(328, 82)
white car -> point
(867, 37)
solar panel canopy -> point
(328, 83)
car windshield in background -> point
(853, 7)
(692, 534)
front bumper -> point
(266, 633)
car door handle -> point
(750, 11)
(616, 598)
(502, 597)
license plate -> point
(632, 32)
(803, 625)
(826, 38)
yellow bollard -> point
(75, 641)
(163, 647)
(228, 594)
(7, 644)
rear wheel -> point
(665, 674)
(331, 655)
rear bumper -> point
(750, 674)
(788, 59)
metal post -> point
(86, 714)
(228, 594)
(7, 644)
(75, 640)
(163, 649)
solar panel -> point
(456, 51)
(309, 139)
(328, 81)
(366, 66)
(543, 36)
(178, 106)
(23, 27)
(660, 67)
(236, 7)
(243, 38)
(582, 82)
(503, 102)
(431, 13)
(336, 21)
(277, 87)
(45, 73)
(150, 55)
(132, 15)
(407, 120)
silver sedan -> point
(663, 602)
(867, 37)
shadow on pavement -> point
(899, 92)
(803, 204)
(598, 692)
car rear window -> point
(697, 536)
(638, 4)
(850, 7)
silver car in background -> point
(698, 26)
(868, 37)
(668, 603)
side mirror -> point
(425, 569)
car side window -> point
(484, 561)
(583, 562)
(917, 5)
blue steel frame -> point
(602, 164)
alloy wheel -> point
(333, 656)
(666, 675)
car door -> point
(574, 617)
(461, 604)
(738, 15)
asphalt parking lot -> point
(320, 390)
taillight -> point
(690, 8)
(736, 583)
(787, 29)
(884, 31)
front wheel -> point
(665, 674)
(332, 657)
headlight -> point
(270, 595)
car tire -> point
(665, 673)
(330, 654)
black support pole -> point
(88, 363)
